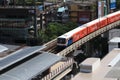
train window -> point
(61, 40)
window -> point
(61, 40)
(87, 7)
(80, 7)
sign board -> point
(112, 4)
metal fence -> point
(57, 71)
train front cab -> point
(69, 41)
(63, 42)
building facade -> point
(82, 11)
(18, 23)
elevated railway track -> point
(52, 45)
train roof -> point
(92, 22)
(117, 12)
(70, 33)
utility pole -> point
(108, 6)
(42, 1)
(35, 21)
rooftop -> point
(2, 48)
(6, 49)
(31, 68)
(102, 70)
(115, 40)
(18, 55)
(89, 61)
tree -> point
(118, 4)
(54, 30)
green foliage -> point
(118, 4)
(54, 30)
(70, 25)
(42, 37)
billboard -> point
(112, 4)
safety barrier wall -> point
(57, 71)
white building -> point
(114, 43)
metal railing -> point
(57, 71)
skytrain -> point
(86, 29)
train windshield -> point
(61, 40)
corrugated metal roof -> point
(31, 68)
(2, 48)
(19, 55)
(10, 47)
